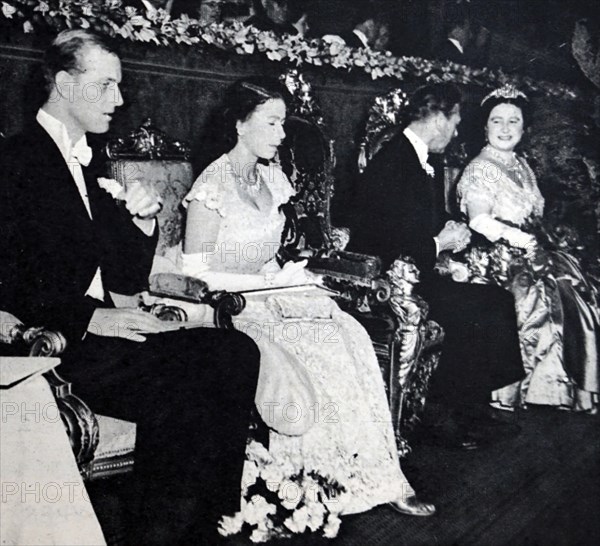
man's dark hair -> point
(371, 10)
(456, 16)
(64, 52)
(431, 99)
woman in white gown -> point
(320, 391)
(556, 309)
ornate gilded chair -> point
(406, 343)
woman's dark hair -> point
(486, 108)
(520, 102)
(431, 99)
(65, 50)
(243, 98)
(219, 134)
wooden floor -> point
(541, 488)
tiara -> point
(507, 91)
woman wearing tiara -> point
(320, 390)
(556, 307)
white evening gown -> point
(350, 439)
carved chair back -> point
(149, 155)
(385, 120)
(307, 158)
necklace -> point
(509, 162)
(251, 184)
(520, 170)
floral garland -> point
(111, 17)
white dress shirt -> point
(361, 36)
(421, 148)
(457, 44)
(74, 155)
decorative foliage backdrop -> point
(111, 17)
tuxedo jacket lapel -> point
(58, 183)
(421, 183)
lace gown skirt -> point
(350, 440)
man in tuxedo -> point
(371, 29)
(273, 15)
(67, 247)
(400, 211)
(458, 36)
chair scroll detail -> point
(79, 420)
(181, 287)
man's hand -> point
(143, 202)
(454, 237)
(125, 323)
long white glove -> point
(196, 265)
(494, 229)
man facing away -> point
(400, 210)
(66, 247)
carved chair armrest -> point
(189, 289)
(78, 418)
(353, 267)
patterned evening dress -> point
(556, 310)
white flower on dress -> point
(332, 527)
(316, 513)
(290, 494)
(298, 521)
(111, 186)
(258, 453)
(260, 534)
(8, 11)
(250, 475)
(231, 525)
(256, 511)
(459, 271)
(273, 476)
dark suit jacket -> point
(51, 249)
(399, 208)
(352, 40)
(399, 211)
(262, 22)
